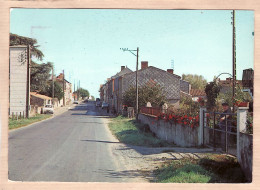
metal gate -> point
(220, 135)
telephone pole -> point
(52, 84)
(234, 59)
(136, 79)
(63, 89)
(74, 89)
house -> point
(196, 94)
(19, 80)
(38, 101)
(226, 85)
(117, 85)
(67, 89)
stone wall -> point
(180, 135)
(245, 154)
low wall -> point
(180, 135)
(245, 154)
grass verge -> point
(213, 168)
(14, 124)
(128, 131)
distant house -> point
(67, 89)
(117, 85)
(226, 85)
(38, 101)
(196, 94)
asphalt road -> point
(72, 147)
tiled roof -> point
(123, 72)
(40, 96)
(197, 92)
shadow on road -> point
(99, 141)
(125, 174)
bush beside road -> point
(213, 168)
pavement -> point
(73, 146)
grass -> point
(14, 124)
(211, 169)
(129, 131)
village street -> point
(74, 146)
(77, 146)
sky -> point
(86, 43)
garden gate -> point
(220, 135)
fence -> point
(220, 134)
(151, 111)
(17, 115)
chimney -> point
(144, 64)
(122, 68)
(170, 71)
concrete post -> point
(241, 126)
(201, 126)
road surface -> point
(72, 147)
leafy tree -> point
(239, 96)
(39, 72)
(40, 75)
(21, 40)
(58, 91)
(212, 91)
(146, 93)
(196, 81)
(92, 98)
(82, 92)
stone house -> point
(67, 89)
(120, 83)
(38, 101)
(226, 85)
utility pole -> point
(234, 59)
(52, 85)
(136, 83)
(63, 89)
(79, 88)
(74, 89)
(136, 77)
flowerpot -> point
(244, 104)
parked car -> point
(48, 108)
(98, 104)
(75, 102)
(104, 105)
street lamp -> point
(132, 51)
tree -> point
(40, 75)
(83, 93)
(58, 91)
(239, 96)
(196, 81)
(147, 93)
(212, 91)
(39, 72)
(21, 40)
